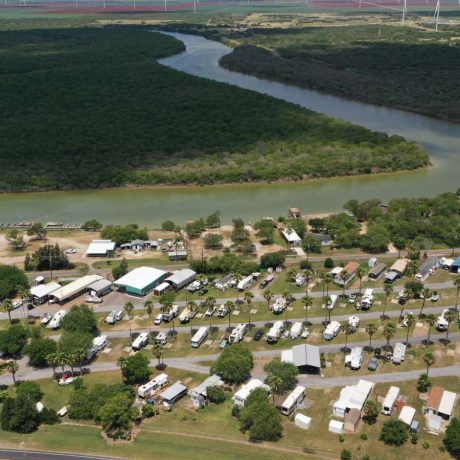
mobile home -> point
(140, 341)
(275, 332)
(296, 329)
(55, 322)
(399, 353)
(199, 337)
(237, 333)
(332, 329)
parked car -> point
(378, 353)
(263, 284)
(372, 364)
(435, 296)
(402, 300)
(223, 343)
(46, 318)
(352, 298)
(258, 335)
(71, 251)
(158, 319)
(203, 291)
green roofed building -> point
(141, 281)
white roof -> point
(291, 235)
(180, 276)
(407, 414)
(43, 290)
(213, 380)
(354, 397)
(302, 420)
(292, 398)
(336, 271)
(100, 247)
(245, 390)
(446, 406)
(75, 286)
(140, 278)
(162, 286)
(335, 426)
(434, 422)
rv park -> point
(340, 345)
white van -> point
(150, 387)
(199, 337)
(141, 341)
(161, 338)
(296, 329)
(275, 332)
(55, 323)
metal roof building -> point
(74, 289)
(41, 292)
(173, 393)
(199, 394)
(181, 278)
(141, 281)
(100, 248)
(306, 357)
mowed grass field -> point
(186, 433)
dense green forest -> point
(90, 107)
(398, 67)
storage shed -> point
(336, 427)
(407, 415)
(302, 421)
(306, 357)
(173, 393)
(100, 287)
(41, 293)
(141, 281)
(181, 278)
(351, 420)
(161, 288)
(100, 248)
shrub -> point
(364, 437)
(235, 411)
(414, 438)
(328, 263)
(394, 432)
(148, 411)
(216, 394)
(452, 438)
(341, 439)
(426, 445)
(49, 417)
(345, 455)
(30, 390)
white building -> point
(352, 397)
(42, 292)
(199, 394)
(74, 289)
(181, 278)
(240, 397)
(141, 281)
(100, 248)
(291, 236)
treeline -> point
(384, 65)
(90, 107)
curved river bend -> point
(150, 206)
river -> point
(151, 206)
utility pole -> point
(404, 12)
(436, 13)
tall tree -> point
(389, 332)
(371, 329)
(449, 316)
(248, 296)
(148, 305)
(12, 367)
(128, 308)
(429, 359)
(388, 288)
(410, 321)
(431, 321)
(426, 292)
(268, 296)
(307, 303)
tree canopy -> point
(234, 364)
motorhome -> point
(332, 329)
(161, 338)
(222, 312)
(194, 286)
(296, 329)
(355, 358)
(140, 341)
(186, 315)
(275, 332)
(114, 316)
(171, 314)
(199, 337)
(151, 387)
(100, 342)
(245, 283)
(300, 280)
(279, 306)
(367, 300)
(237, 333)
(293, 400)
(332, 301)
(399, 353)
(390, 400)
(353, 321)
(441, 323)
(210, 311)
(55, 323)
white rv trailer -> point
(399, 353)
(199, 337)
(222, 312)
(55, 322)
(353, 321)
(355, 358)
(390, 400)
(172, 313)
(367, 300)
(275, 332)
(100, 342)
(332, 329)
(245, 283)
(280, 305)
(237, 333)
(155, 384)
(140, 341)
(332, 301)
(186, 315)
(296, 329)
(293, 400)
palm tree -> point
(230, 306)
(158, 351)
(148, 305)
(360, 272)
(371, 329)
(307, 302)
(426, 292)
(388, 288)
(7, 306)
(344, 277)
(80, 356)
(62, 360)
(410, 320)
(268, 296)
(327, 300)
(12, 367)
(248, 296)
(322, 277)
(274, 382)
(429, 359)
(72, 361)
(328, 280)
(128, 307)
(193, 307)
(449, 316)
(431, 321)
(457, 285)
(389, 332)
(348, 330)
(53, 360)
(210, 303)
(121, 363)
(308, 274)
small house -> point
(440, 402)
(324, 238)
(376, 271)
(291, 236)
(351, 420)
(352, 397)
(396, 270)
(239, 398)
(173, 393)
(199, 394)
(100, 248)
(350, 270)
(305, 356)
(427, 268)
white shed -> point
(407, 414)
(302, 421)
(336, 427)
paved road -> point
(139, 303)
(16, 454)
(190, 363)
